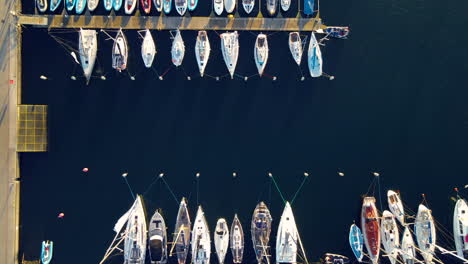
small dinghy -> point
(157, 239)
(295, 46)
(108, 4)
(396, 206)
(425, 231)
(390, 236)
(408, 251)
(260, 229)
(237, 240)
(130, 6)
(221, 239)
(337, 32)
(460, 228)
(178, 49)
(117, 4)
(158, 5)
(120, 52)
(230, 5)
(146, 5)
(330, 258)
(70, 4)
(202, 51)
(135, 240)
(356, 241)
(248, 5)
(87, 46)
(271, 6)
(285, 4)
(181, 239)
(41, 5)
(148, 49)
(80, 6)
(309, 7)
(314, 57)
(47, 251)
(370, 228)
(167, 6)
(54, 4)
(218, 6)
(192, 4)
(230, 50)
(201, 243)
(92, 4)
(261, 53)
(181, 6)
(287, 237)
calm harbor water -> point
(397, 106)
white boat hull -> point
(460, 228)
(181, 6)
(148, 49)
(130, 6)
(237, 240)
(390, 235)
(271, 5)
(221, 239)
(408, 251)
(230, 50)
(202, 51)
(135, 240)
(248, 5)
(120, 52)
(314, 57)
(218, 6)
(295, 47)
(201, 243)
(92, 4)
(424, 229)
(396, 206)
(87, 47)
(178, 50)
(286, 238)
(230, 5)
(285, 4)
(261, 53)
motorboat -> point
(356, 241)
(218, 6)
(135, 239)
(117, 4)
(202, 51)
(47, 251)
(178, 49)
(425, 232)
(130, 6)
(92, 4)
(70, 4)
(370, 228)
(285, 4)
(120, 52)
(54, 4)
(87, 46)
(460, 228)
(148, 49)
(221, 239)
(396, 206)
(146, 5)
(271, 6)
(295, 46)
(287, 237)
(390, 236)
(408, 250)
(157, 239)
(230, 5)
(230, 49)
(248, 5)
(309, 7)
(330, 258)
(314, 57)
(181, 240)
(181, 6)
(167, 6)
(80, 6)
(192, 4)
(260, 229)
(237, 240)
(337, 32)
(41, 5)
(201, 243)
(261, 53)
(107, 4)
(158, 5)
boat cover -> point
(309, 7)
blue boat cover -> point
(356, 241)
(309, 7)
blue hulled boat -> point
(54, 4)
(46, 252)
(356, 241)
(192, 4)
(314, 57)
(70, 4)
(117, 4)
(309, 7)
(108, 4)
(80, 6)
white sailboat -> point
(271, 6)
(314, 57)
(135, 241)
(92, 4)
(285, 4)
(158, 5)
(148, 49)
(396, 206)
(287, 237)
(237, 240)
(181, 6)
(248, 5)
(130, 6)
(460, 228)
(229, 5)
(201, 243)
(202, 51)
(221, 239)
(181, 240)
(408, 251)
(218, 6)
(295, 46)
(230, 49)
(88, 48)
(178, 49)
(390, 235)
(425, 231)
(120, 52)
(261, 53)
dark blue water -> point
(397, 106)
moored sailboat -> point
(130, 6)
(70, 4)
(167, 6)
(287, 237)
(260, 229)
(54, 4)
(157, 239)
(201, 243)
(314, 57)
(47, 251)
(424, 229)
(229, 5)
(148, 49)
(41, 5)
(218, 6)
(460, 228)
(181, 6)
(390, 236)
(407, 250)
(237, 240)
(356, 241)
(107, 4)
(285, 4)
(135, 240)
(192, 4)
(158, 5)
(396, 206)
(87, 46)
(295, 46)
(181, 240)
(92, 5)
(271, 6)
(221, 239)
(178, 49)
(146, 5)
(230, 50)
(120, 52)
(248, 5)
(117, 4)
(261, 53)
(80, 6)
(370, 228)
(202, 51)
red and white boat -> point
(146, 5)
(371, 228)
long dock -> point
(173, 22)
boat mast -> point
(444, 251)
(176, 239)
